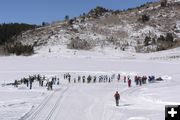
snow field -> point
(89, 101)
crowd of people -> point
(42, 80)
(139, 80)
(100, 78)
(93, 78)
(89, 78)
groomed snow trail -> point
(96, 102)
(48, 106)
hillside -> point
(148, 28)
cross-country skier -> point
(119, 77)
(79, 78)
(140, 81)
(117, 98)
(94, 80)
(58, 81)
(124, 79)
(83, 78)
(30, 82)
(129, 82)
(136, 79)
(69, 78)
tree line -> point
(7, 31)
(8, 41)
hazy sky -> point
(37, 11)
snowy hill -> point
(141, 29)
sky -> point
(38, 11)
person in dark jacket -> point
(117, 98)
(124, 79)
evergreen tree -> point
(147, 40)
(169, 37)
(7, 31)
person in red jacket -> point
(129, 82)
(117, 98)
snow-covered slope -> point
(124, 30)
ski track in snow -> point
(98, 103)
(48, 106)
(105, 111)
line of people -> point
(89, 78)
(96, 78)
(139, 80)
(42, 80)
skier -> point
(51, 85)
(99, 79)
(27, 82)
(89, 79)
(79, 78)
(117, 98)
(58, 81)
(144, 78)
(109, 80)
(119, 77)
(94, 79)
(83, 77)
(15, 83)
(124, 79)
(129, 82)
(140, 81)
(30, 82)
(74, 80)
(38, 77)
(136, 79)
(42, 81)
(69, 79)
